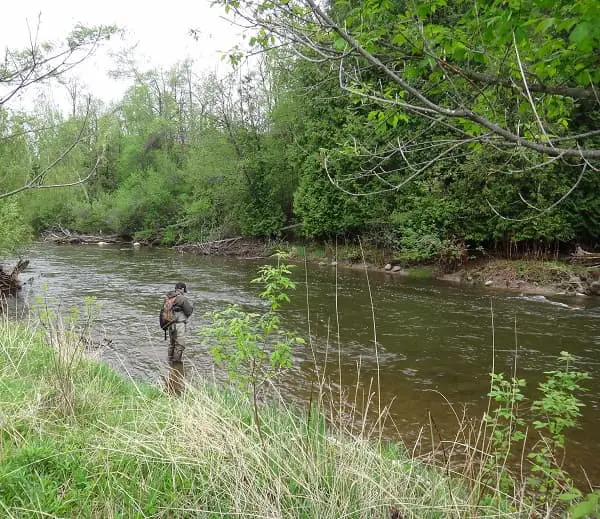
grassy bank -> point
(79, 440)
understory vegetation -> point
(127, 449)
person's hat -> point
(180, 286)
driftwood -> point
(239, 246)
(9, 282)
(585, 258)
(209, 247)
(63, 236)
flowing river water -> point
(435, 341)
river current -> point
(428, 346)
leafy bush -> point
(558, 409)
(14, 229)
(147, 200)
(253, 348)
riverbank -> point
(419, 351)
(519, 275)
(78, 440)
(530, 277)
(561, 278)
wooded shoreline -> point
(574, 275)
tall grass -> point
(127, 449)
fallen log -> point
(238, 246)
(64, 237)
(585, 258)
(9, 282)
(209, 247)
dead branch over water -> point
(585, 258)
(238, 246)
(9, 281)
(64, 236)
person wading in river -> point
(174, 316)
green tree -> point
(42, 61)
(467, 77)
(25, 163)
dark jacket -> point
(182, 308)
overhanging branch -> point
(428, 105)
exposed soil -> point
(569, 277)
(572, 277)
(529, 276)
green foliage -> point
(92, 217)
(508, 395)
(325, 210)
(213, 188)
(460, 56)
(418, 247)
(588, 507)
(14, 230)
(554, 41)
(278, 147)
(556, 411)
(505, 424)
(146, 200)
(68, 337)
(51, 209)
(252, 347)
(14, 152)
(132, 450)
(262, 214)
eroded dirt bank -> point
(568, 277)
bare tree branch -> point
(37, 63)
(41, 60)
(539, 211)
(415, 171)
(574, 92)
(37, 181)
(429, 106)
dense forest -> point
(428, 129)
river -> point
(434, 339)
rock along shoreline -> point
(536, 277)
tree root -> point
(9, 282)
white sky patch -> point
(161, 31)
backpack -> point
(166, 317)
